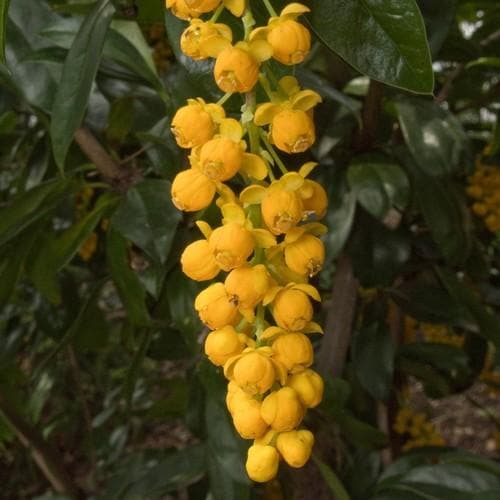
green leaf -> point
(373, 360)
(493, 62)
(332, 480)
(4, 8)
(148, 218)
(130, 289)
(433, 135)
(488, 323)
(341, 217)
(384, 40)
(438, 18)
(379, 186)
(77, 77)
(31, 206)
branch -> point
(44, 456)
(371, 115)
(339, 319)
(121, 178)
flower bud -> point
(294, 350)
(305, 255)
(197, 33)
(295, 447)
(292, 131)
(282, 410)
(221, 158)
(309, 386)
(236, 70)
(192, 125)
(254, 372)
(290, 40)
(262, 463)
(248, 285)
(246, 416)
(215, 308)
(220, 345)
(231, 245)
(198, 261)
(292, 309)
(314, 199)
(192, 191)
(281, 210)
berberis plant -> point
(249, 249)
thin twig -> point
(43, 454)
(137, 153)
(120, 178)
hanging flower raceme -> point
(268, 244)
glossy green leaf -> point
(332, 480)
(373, 360)
(129, 286)
(148, 218)
(387, 44)
(433, 135)
(493, 62)
(78, 75)
(379, 186)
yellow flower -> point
(223, 344)
(237, 67)
(309, 387)
(231, 245)
(215, 307)
(295, 447)
(291, 306)
(220, 158)
(202, 34)
(198, 261)
(202, 6)
(254, 370)
(294, 350)
(262, 462)
(180, 9)
(196, 123)
(314, 199)
(247, 419)
(282, 409)
(290, 40)
(291, 125)
(281, 209)
(89, 247)
(192, 190)
(247, 286)
(293, 131)
(304, 255)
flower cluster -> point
(484, 189)
(417, 428)
(268, 246)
